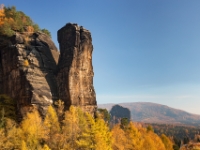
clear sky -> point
(144, 50)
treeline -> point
(180, 134)
(74, 130)
(12, 21)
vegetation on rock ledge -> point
(12, 21)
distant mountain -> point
(153, 113)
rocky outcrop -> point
(33, 73)
(75, 70)
(27, 70)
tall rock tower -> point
(75, 70)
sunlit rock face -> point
(75, 70)
(28, 64)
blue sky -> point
(144, 50)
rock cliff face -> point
(27, 70)
(75, 70)
(32, 74)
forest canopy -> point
(12, 21)
(73, 129)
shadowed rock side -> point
(75, 70)
(27, 70)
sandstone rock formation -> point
(27, 70)
(75, 70)
(33, 73)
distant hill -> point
(155, 113)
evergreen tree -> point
(124, 123)
(7, 107)
(104, 114)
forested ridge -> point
(178, 131)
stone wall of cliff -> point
(28, 65)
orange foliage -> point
(119, 138)
(2, 14)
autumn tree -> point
(76, 130)
(52, 128)
(157, 142)
(59, 107)
(151, 140)
(166, 141)
(2, 137)
(81, 131)
(2, 14)
(33, 132)
(134, 138)
(102, 135)
(119, 138)
(23, 145)
(14, 134)
(70, 129)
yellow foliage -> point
(59, 109)
(33, 130)
(70, 129)
(77, 131)
(29, 28)
(102, 136)
(46, 147)
(81, 131)
(157, 142)
(23, 146)
(14, 134)
(166, 141)
(2, 16)
(134, 138)
(2, 137)
(26, 40)
(119, 138)
(26, 63)
(52, 128)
